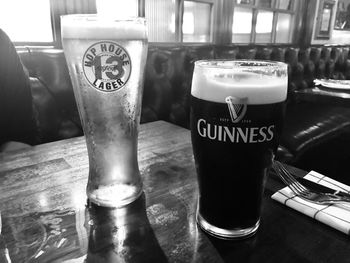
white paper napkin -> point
(336, 216)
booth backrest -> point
(168, 79)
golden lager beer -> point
(106, 60)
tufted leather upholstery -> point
(52, 93)
(167, 90)
(174, 64)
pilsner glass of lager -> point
(237, 110)
(106, 60)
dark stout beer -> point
(235, 130)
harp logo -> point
(106, 66)
(237, 108)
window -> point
(37, 22)
(284, 27)
(112, 8)
(263, 28)
(160, 15)
(26, 21)
(179, 20)
(196, 22)
(265, 3)
(242, 24)
(263, 21)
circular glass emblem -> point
(106, 66)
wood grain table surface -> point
(45, 216)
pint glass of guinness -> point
(106, 60)
(237, 110)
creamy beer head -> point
(97, 27)
(263, 83)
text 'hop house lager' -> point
(106, 60)
(237, 110)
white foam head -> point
(100, 27)
(261, 82)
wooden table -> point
(42, 203)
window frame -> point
(275, 10)
(220, 28)
(50, 44)
(181, 12)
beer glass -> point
(106, 60)
(237, 110)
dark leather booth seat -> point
(316, 136)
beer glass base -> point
(226, 233)
(115, 196)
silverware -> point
(322, 188)
(304, 192)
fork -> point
(302, 191)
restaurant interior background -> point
(195, 21)
(312, 36)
